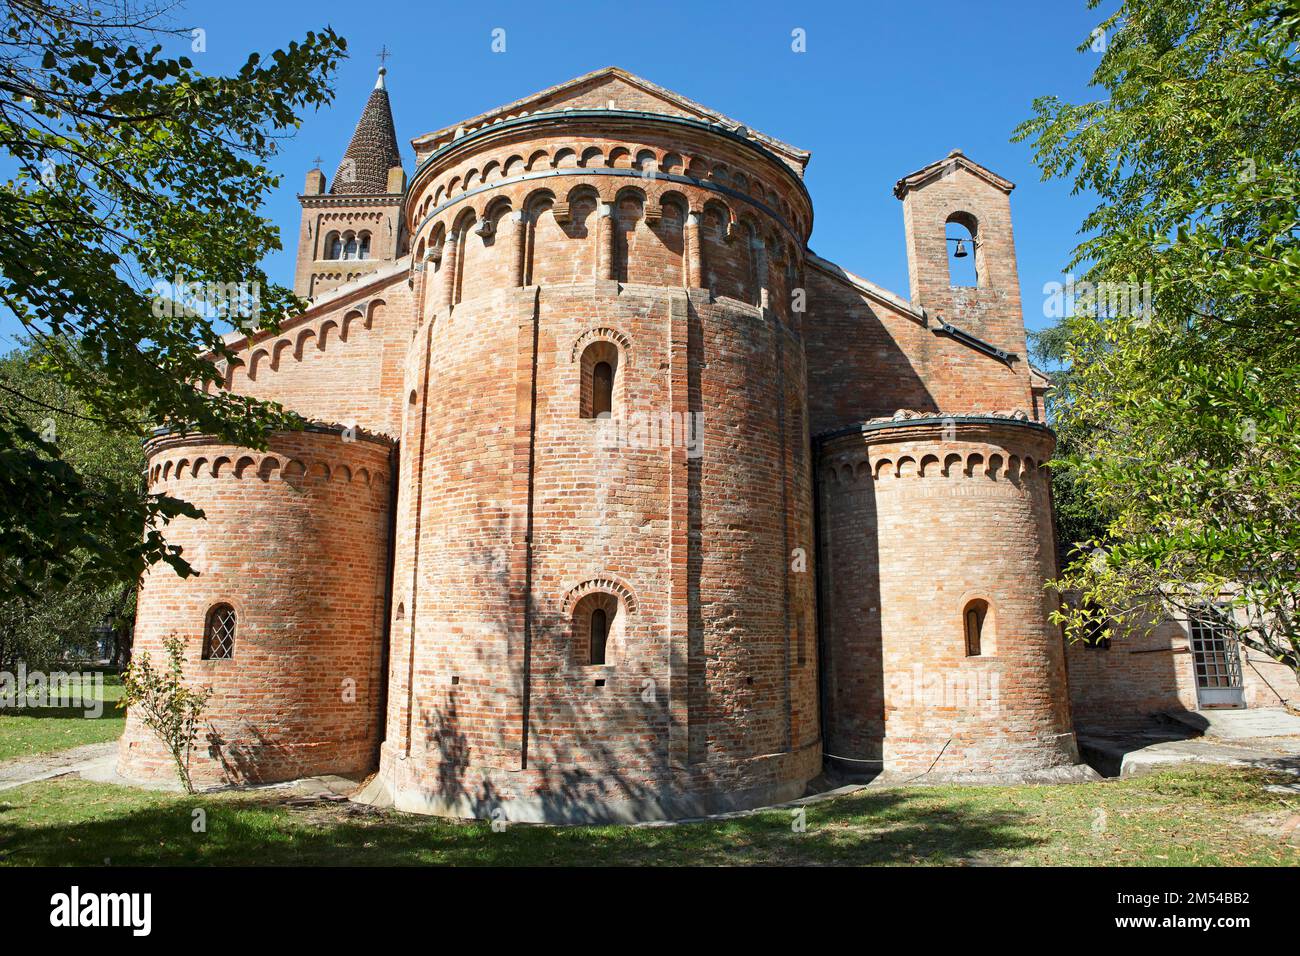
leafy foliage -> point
(57, 618)
(168, 707)
(136, 177)
(1180, 414)
(1077, 517)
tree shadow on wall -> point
(587, 746)
(851, 641)
(576, 764)
(479, 798)
(252, 758)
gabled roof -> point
(869, 288)
(954, 160)
(373, 150)
(596, 90)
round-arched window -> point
(974, 619)
(219, 633)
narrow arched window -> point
(350, 248)
(976, 612)
(602, 389)
(600, 384)
(333, 246)
(599, 634)
(364, 247)
(219, 633)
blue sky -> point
(883, 88)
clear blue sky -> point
(885, 87)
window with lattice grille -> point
(219, 634)
(1215, 647)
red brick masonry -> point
(610, 221)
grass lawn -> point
(1193, 816)
(38, 730)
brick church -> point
(619, 502)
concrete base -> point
(1005, 759)
(566, 810)
(1073, 773)
(564, 793)
(106, 771)
(1240, 724)
(1178, 740)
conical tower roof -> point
(373, 150)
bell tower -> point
(956, 211)
(355, 228)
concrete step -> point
(1240, 724)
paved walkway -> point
(98, 762)
(15, 773)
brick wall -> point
(294, 539)
(341, 361)
(868, 358)
(677, 253)
(920, 518)
(517, 515)
(1151, 671)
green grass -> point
(25, 732)
(1195, 816)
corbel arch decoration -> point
(606, 583)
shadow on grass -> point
(126, 827)
(110, 712)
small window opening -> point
(599, 633)
(600, 380)
(976, 612)
(602, 390)
(219, 633)
(1096, 634)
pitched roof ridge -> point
(317, 308)
(951, 161)
(877, 292)
(703, 112)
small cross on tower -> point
(317, 161)
(383, 55)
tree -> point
(1184, 381)
(165, 705)
(58, 619)
(132, 240)
(1077, 519)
